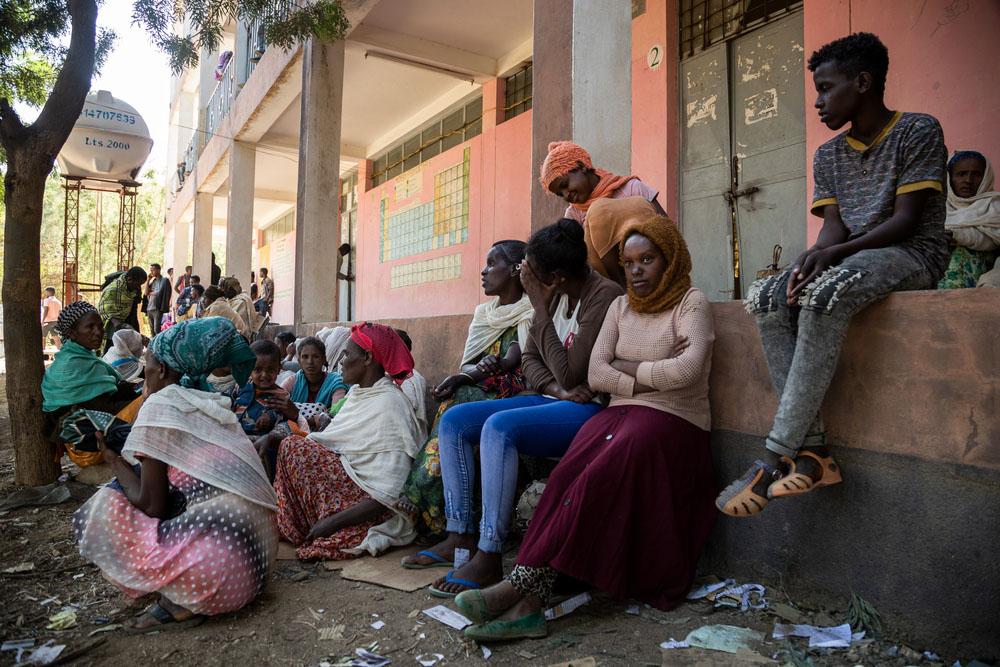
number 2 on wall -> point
(655, 56)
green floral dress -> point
(965, 268)
(423, 487)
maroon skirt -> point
(629, 507)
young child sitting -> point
(261, 406)
(880, 191)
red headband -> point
(386, 348)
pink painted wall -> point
(939, 63)
(499, 205)
(655, 131)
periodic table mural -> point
(439, 223)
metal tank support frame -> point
(127, 192)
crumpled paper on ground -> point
(727, 638)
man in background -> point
(51, 307)
(157, 298)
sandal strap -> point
(157, 611)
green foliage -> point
(863, 616)
(284, 22)
(98, 244)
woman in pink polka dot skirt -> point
(194, 521)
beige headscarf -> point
(607, 221)
(975, 221)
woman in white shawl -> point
(490, 368)
(973, 220)
(125, 354)
(337, 487)
(191, 515)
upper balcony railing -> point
(256, 40)
(222, 99)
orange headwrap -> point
(564, 157)
(676, 279)
(607, 221)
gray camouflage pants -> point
(802, 343)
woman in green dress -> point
(973, 220)
(490, 368)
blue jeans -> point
(533, 425)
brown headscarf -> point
(606, 224)
(676, 280)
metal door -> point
(743, 156)
(769, 137)
(706, 220)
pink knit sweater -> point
(681, 382)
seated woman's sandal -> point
(739, 499)
(796, 483)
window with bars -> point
(450, 129)
(517, 93)
(280, 227)
(707, 22)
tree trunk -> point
(30, 153)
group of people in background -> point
(589, 360)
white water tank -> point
(110, 141)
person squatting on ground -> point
(628, 509)
(191, 515)
(880, 190)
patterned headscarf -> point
(195, 347)
(386, 347)
(676, 279)
(69, 317)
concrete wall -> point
(936, 65)
(914, 417)
(499, 208)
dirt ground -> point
(282, 628)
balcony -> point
(221, 100)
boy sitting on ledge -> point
(879, 187)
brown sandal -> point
(738, 499)
(796, 483)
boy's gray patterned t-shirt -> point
(908, 155)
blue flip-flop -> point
(439, 561)
(450, 578)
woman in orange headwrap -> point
(569, 173)
(607, 222)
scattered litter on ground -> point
(932, 656)
(36, 496)
(727, 638)
(368, 658)
(673, 643)
(429, 659)
(461, 558)
(17, 644)
(838, 636)
(527, 655)
(299, 576)
(64, 620)
(567, 606)
(105, 628)
(19, 568)
(378, 625)
(633, 609)
(589, 661)
(317, 615)
(709, 587)
(746, 597)
(385, 571)
(45, 654)
(413, 614)
(449, 617)
(487, 653)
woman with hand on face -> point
(629, 507)
(569, 303)
(337, 488)
(490, 369)
(194, 521)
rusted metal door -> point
(706, 219)
(769, 144)
(743, 156)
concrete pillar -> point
(317, 213)
(239, 216)
(204, 204)
(580, 93)
(180, 242)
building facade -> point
(418, 138)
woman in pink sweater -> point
(630, 506)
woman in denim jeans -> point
(570, 302)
